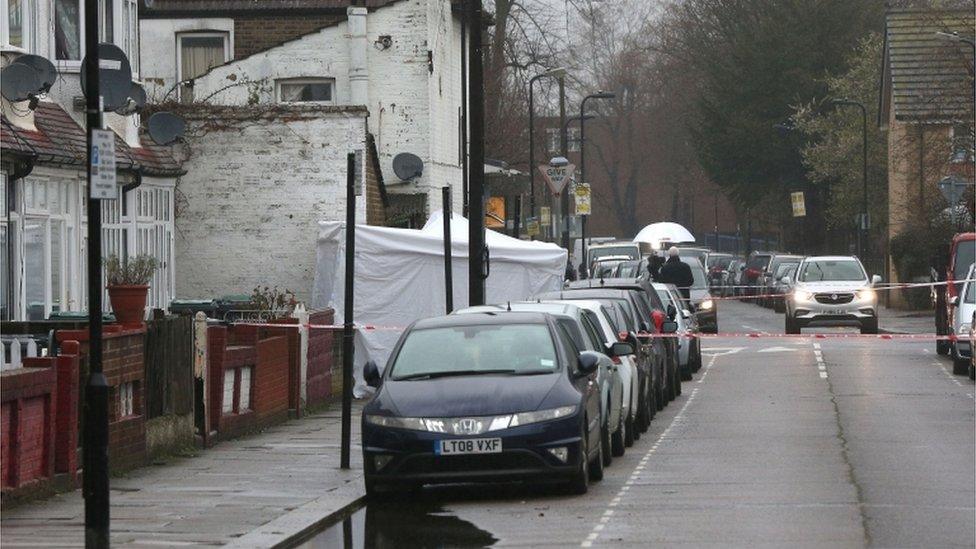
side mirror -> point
(786, 280)
(672, 312)
(620, 348)
(669, 327)
(371, 373)
(588, 362)
(876, 279)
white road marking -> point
(777, 350)
(823, 375)
(948, 374)
(821, 366)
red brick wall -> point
(271, 379)
(320, 342)
(66, 422)
(28, 415)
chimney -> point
(358, 44)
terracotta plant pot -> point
(128, 303)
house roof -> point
(60, 140)
(927, 78)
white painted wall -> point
(158, 49)
(411, 109)
(252, 197)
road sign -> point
(582, 195)
(799, 205)
(532, 226)
(545, 215)
(557, 176)
(863, 221)
(103, 180)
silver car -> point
(832, 291)
(965, 303)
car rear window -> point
(525, 348)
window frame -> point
(225, 35)
(27, 25)
(306, 80)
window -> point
(127, 400)
(573, 139)
(17, 20)
(198, 53)
(67, 30)
(553, 146)
(306, 90)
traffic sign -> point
(103, 181)
(532, 226)
(545, 214)
(557, 176)
(582, 195)
(799, 205)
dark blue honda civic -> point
(483, 397)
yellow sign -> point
(582, 195)
(799, 206)
(495, 212)
(545, 215)
(532, 226)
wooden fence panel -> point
(169, 366)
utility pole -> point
(476, 160)
(564, 150)
(95, 450)
(582, 172)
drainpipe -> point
(358, 44)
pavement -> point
(897, 321)
(256, 491)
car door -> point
(586, 385)
(614, 391)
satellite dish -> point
(166, 127)
(136, 100)
(407, 166)
(47, 75)
(114, 76)
(18, 82)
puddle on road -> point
(400, 522)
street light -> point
(559, 73)
(582, 119)
(863, 225)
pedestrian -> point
(677, 272)
(654, 263)
(570, 271)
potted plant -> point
(128, 285)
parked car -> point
(962, 254)
(484, 397)
(754, 268)
(631, 269)
(629, 325)
(964, 304)
(717, 267)
(783, 287)
(697, 252)
(688, 346)
(702, 305)
(972, 347)
(832, 291)
(606, 266)
(579, 325)
(652, 312)
(736, 269)
(770, 275)
(629, 250)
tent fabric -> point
(400, 277)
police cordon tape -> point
(891, 286)
(723, 335)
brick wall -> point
(259, 32)
(320, 358)
(27, 411)
(255, 190)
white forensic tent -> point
(400, 277)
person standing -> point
(677, 272)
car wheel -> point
(659, 400)
(972, 370)
(579, 484)
(606, 446)
(596, 466)
(791, 325)
(779, 307)
(960, 365)
(869, 326)
(942, 346)
(619, 439)
(630, 434)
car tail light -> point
(658, 318)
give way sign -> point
(557, 176)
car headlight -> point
(706, 305)
(867, 293)
(481, 424)
(965, 328)
(802, 295)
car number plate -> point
(468, 446)
(835, 311)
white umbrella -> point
(665, 231)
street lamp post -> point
(559, 73)
(863, 225)
(582, 119)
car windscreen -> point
(721, 262)
(628, 250)
(833, 270)
(698, 272)
(468, 350)
(965, 256)
(785, 269)
(628, 269)
(573, 330)
(617, 309)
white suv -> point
(832, 291)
